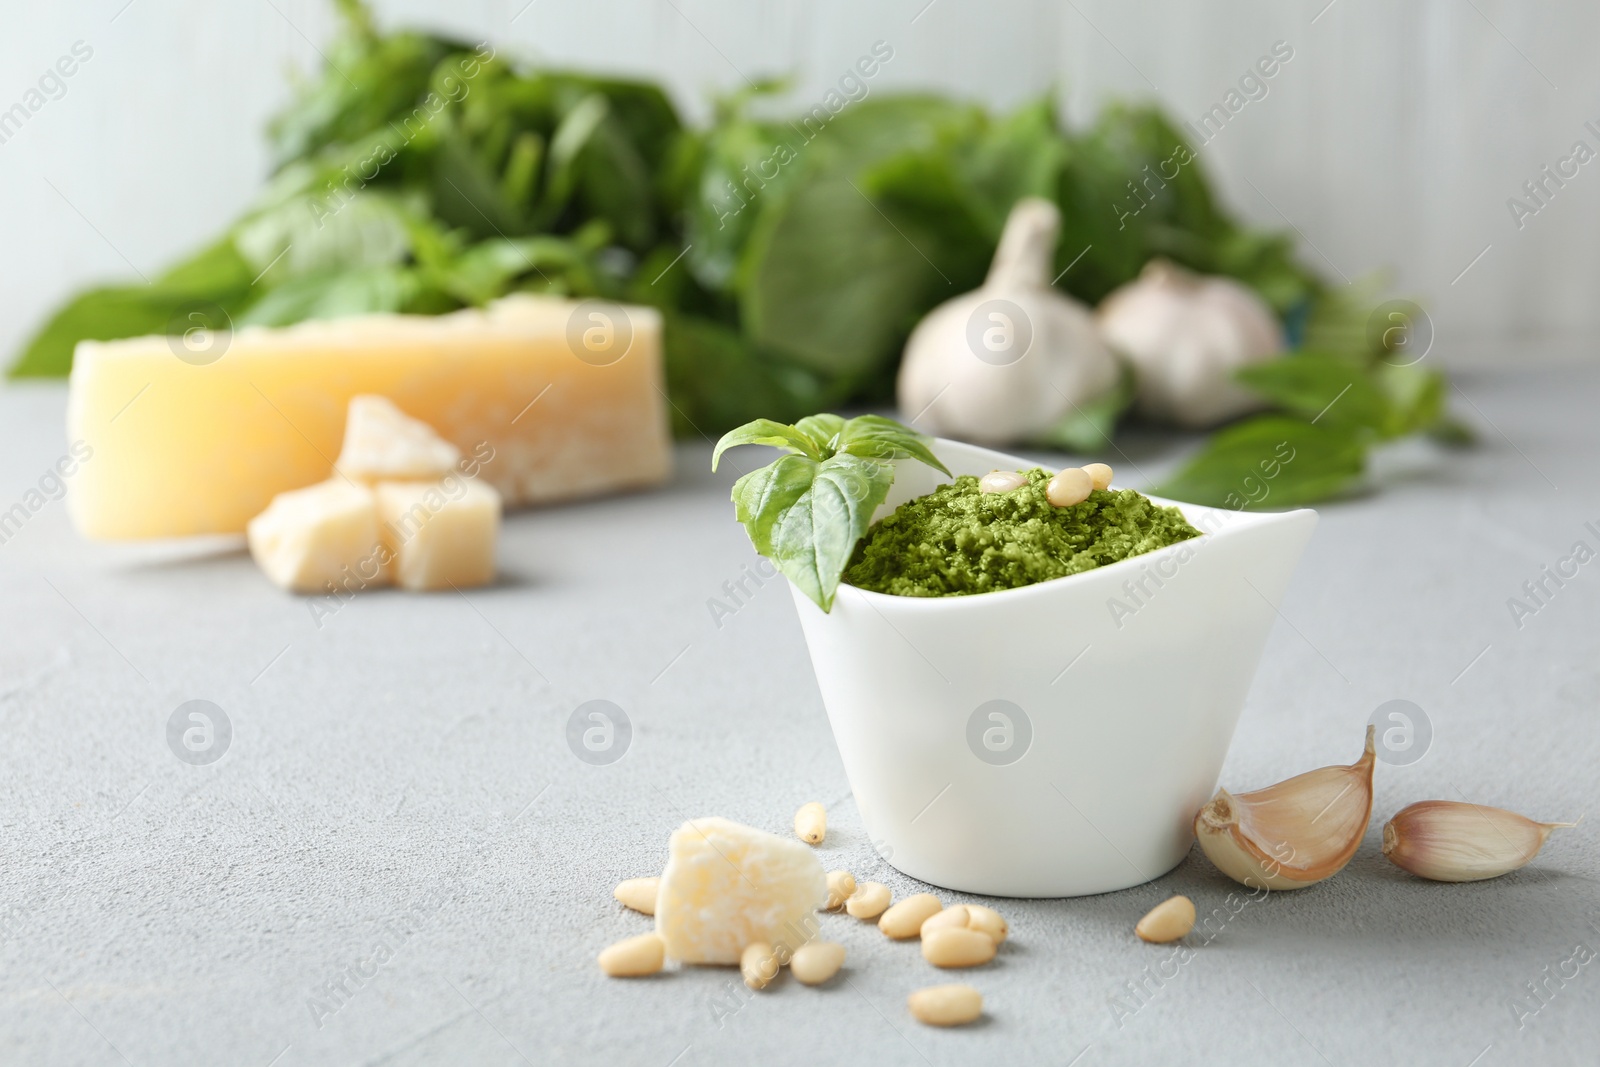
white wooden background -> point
(1392, 139)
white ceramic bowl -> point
(1044, 741)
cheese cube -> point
(551, 405)
(324, 533)
(727, 886)
(381, 443)
(439, 534)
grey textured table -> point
(399, 860)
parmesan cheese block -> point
(439, 534)
(727, 886)
(566, 397)
(308, 538)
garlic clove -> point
(1292, 834)
(1447, 841)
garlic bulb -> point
(1007, 361)
(1453, 842)
(1185, 334)
(1292, 834)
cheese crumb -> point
(439, 534)
(383, 443)
(308, 537)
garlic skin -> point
(1047, 357)
(1447, 841)
(1295, 833)
(1185, 334)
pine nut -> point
(811, 823)
(816, 961)
(841, 885)
(905, 919)
(951, 947)
(1099, 474)
(1167, 921)
(638, 894)
(955, 915)
(759, 964)
(634, 957)
(868, 901)
(1070, 486)
(946, 1005)
(989, 921)
(1001, 482)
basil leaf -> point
(761, 497)
(822, 429)
(1330, 390)
(807, 511)
(1270, 461)
(814, 538)
(766, 432)
(876, 437)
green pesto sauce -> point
(957, 540)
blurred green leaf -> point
(833, 284)
(1453, 433)
(1270, 461)
(1021, 155)
(333, 295)
(486, 270)
(1328, 390)
(717, 379)
(217, 275)
(1415, 397)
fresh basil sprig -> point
(806, 510)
